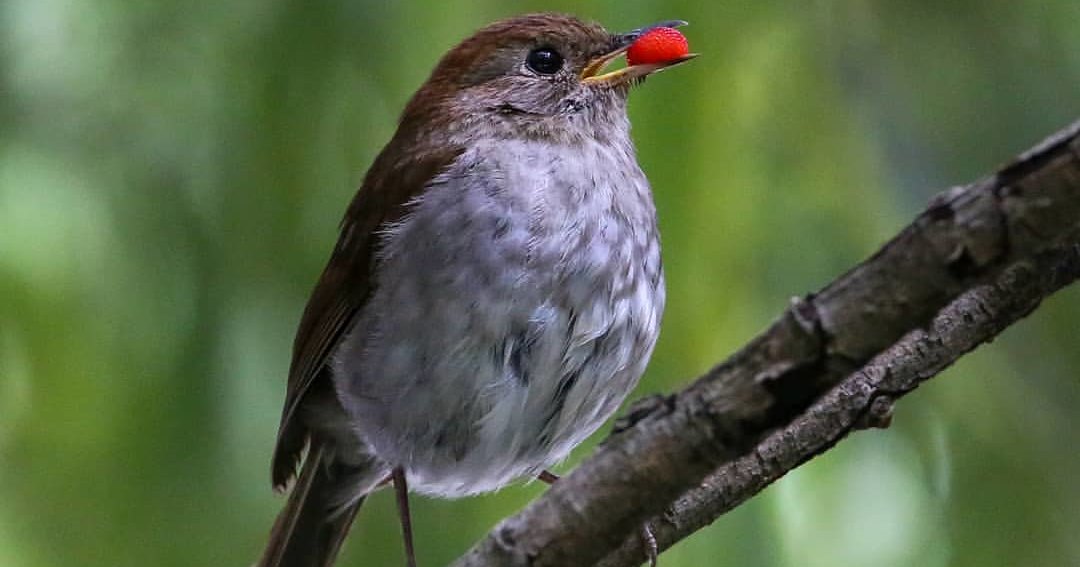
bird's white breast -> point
(514, 308)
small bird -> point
(495, 292)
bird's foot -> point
(648, 540)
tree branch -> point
(979, 258)
(865, 398)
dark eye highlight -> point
(544, 60)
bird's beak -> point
(591, 75)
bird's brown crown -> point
(499, 67)
(496, 49)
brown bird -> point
(495, 293)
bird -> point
(495, 292)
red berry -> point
(658, 45)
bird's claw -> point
(648, 543)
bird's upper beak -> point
(591, 75)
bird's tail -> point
(310, 529)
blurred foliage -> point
(171, 178)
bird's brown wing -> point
(345, 286)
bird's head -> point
(536, 73)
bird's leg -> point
(401, 490)
(648, 540)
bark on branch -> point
(977, 259)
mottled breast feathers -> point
(345, 285)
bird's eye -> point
(544, 60)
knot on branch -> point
(656, 405)
(968, 230)
(801, 353)
(878, 413)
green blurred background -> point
(171, 178)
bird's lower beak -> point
(593, 72)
